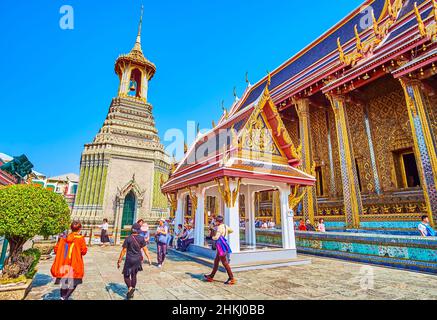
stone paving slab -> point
(181, 278)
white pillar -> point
(179, 215)
(246, 218)
(288, 238)
(232, 219)
(199, 219)
(250, 216)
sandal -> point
(130, 293)
(231, 282)
(208, 278)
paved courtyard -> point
(180, 278)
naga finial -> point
(358, 40)
(434, 5)
(420, 23)
(340, 50)
(269, 78)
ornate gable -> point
(265, 137)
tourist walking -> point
(222, 249)
(68, 267)
(104, 237)
(132, 247)
(425, 229)
(161, 241)
(144, 232)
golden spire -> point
(137, 45)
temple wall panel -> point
(335, 153)
(390, 129)
(293, 130)
(360, 145)
(432, 113)
(320, 147)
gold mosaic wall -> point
(320, 149)
(360, 145)
(390, 128)
(432, 113)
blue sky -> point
(56, 85)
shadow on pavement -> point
(117, 288)
(197, 276)
(53, 295)
(41, 280)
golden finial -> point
(340, 50)
(375, 25)
(390, 9)
(420, 23)
(358, 40)
(225, 111)
(213, 124)
(235, 92)
(269, 79)
(198, 128)
(138, 41)
(434, 5)
(247, 78)
(185, 147)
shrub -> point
(27, 211)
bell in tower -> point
(134, 70)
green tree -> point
(27, 211)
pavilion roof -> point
(224, 151)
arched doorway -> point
(128, 212)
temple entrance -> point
(410, 169)
(406, 169)
(128, 213)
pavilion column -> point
(424, 144)
(309, 200)
(232, 219)
(199, 219)
(179, 214)
(351, 191)
(287, 224)
(250, 218)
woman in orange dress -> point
(68, 268)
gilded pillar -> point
(351, 191)
(332, 184)
(424, 144)
(372, 151)
(303, 112)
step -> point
(245, 267)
